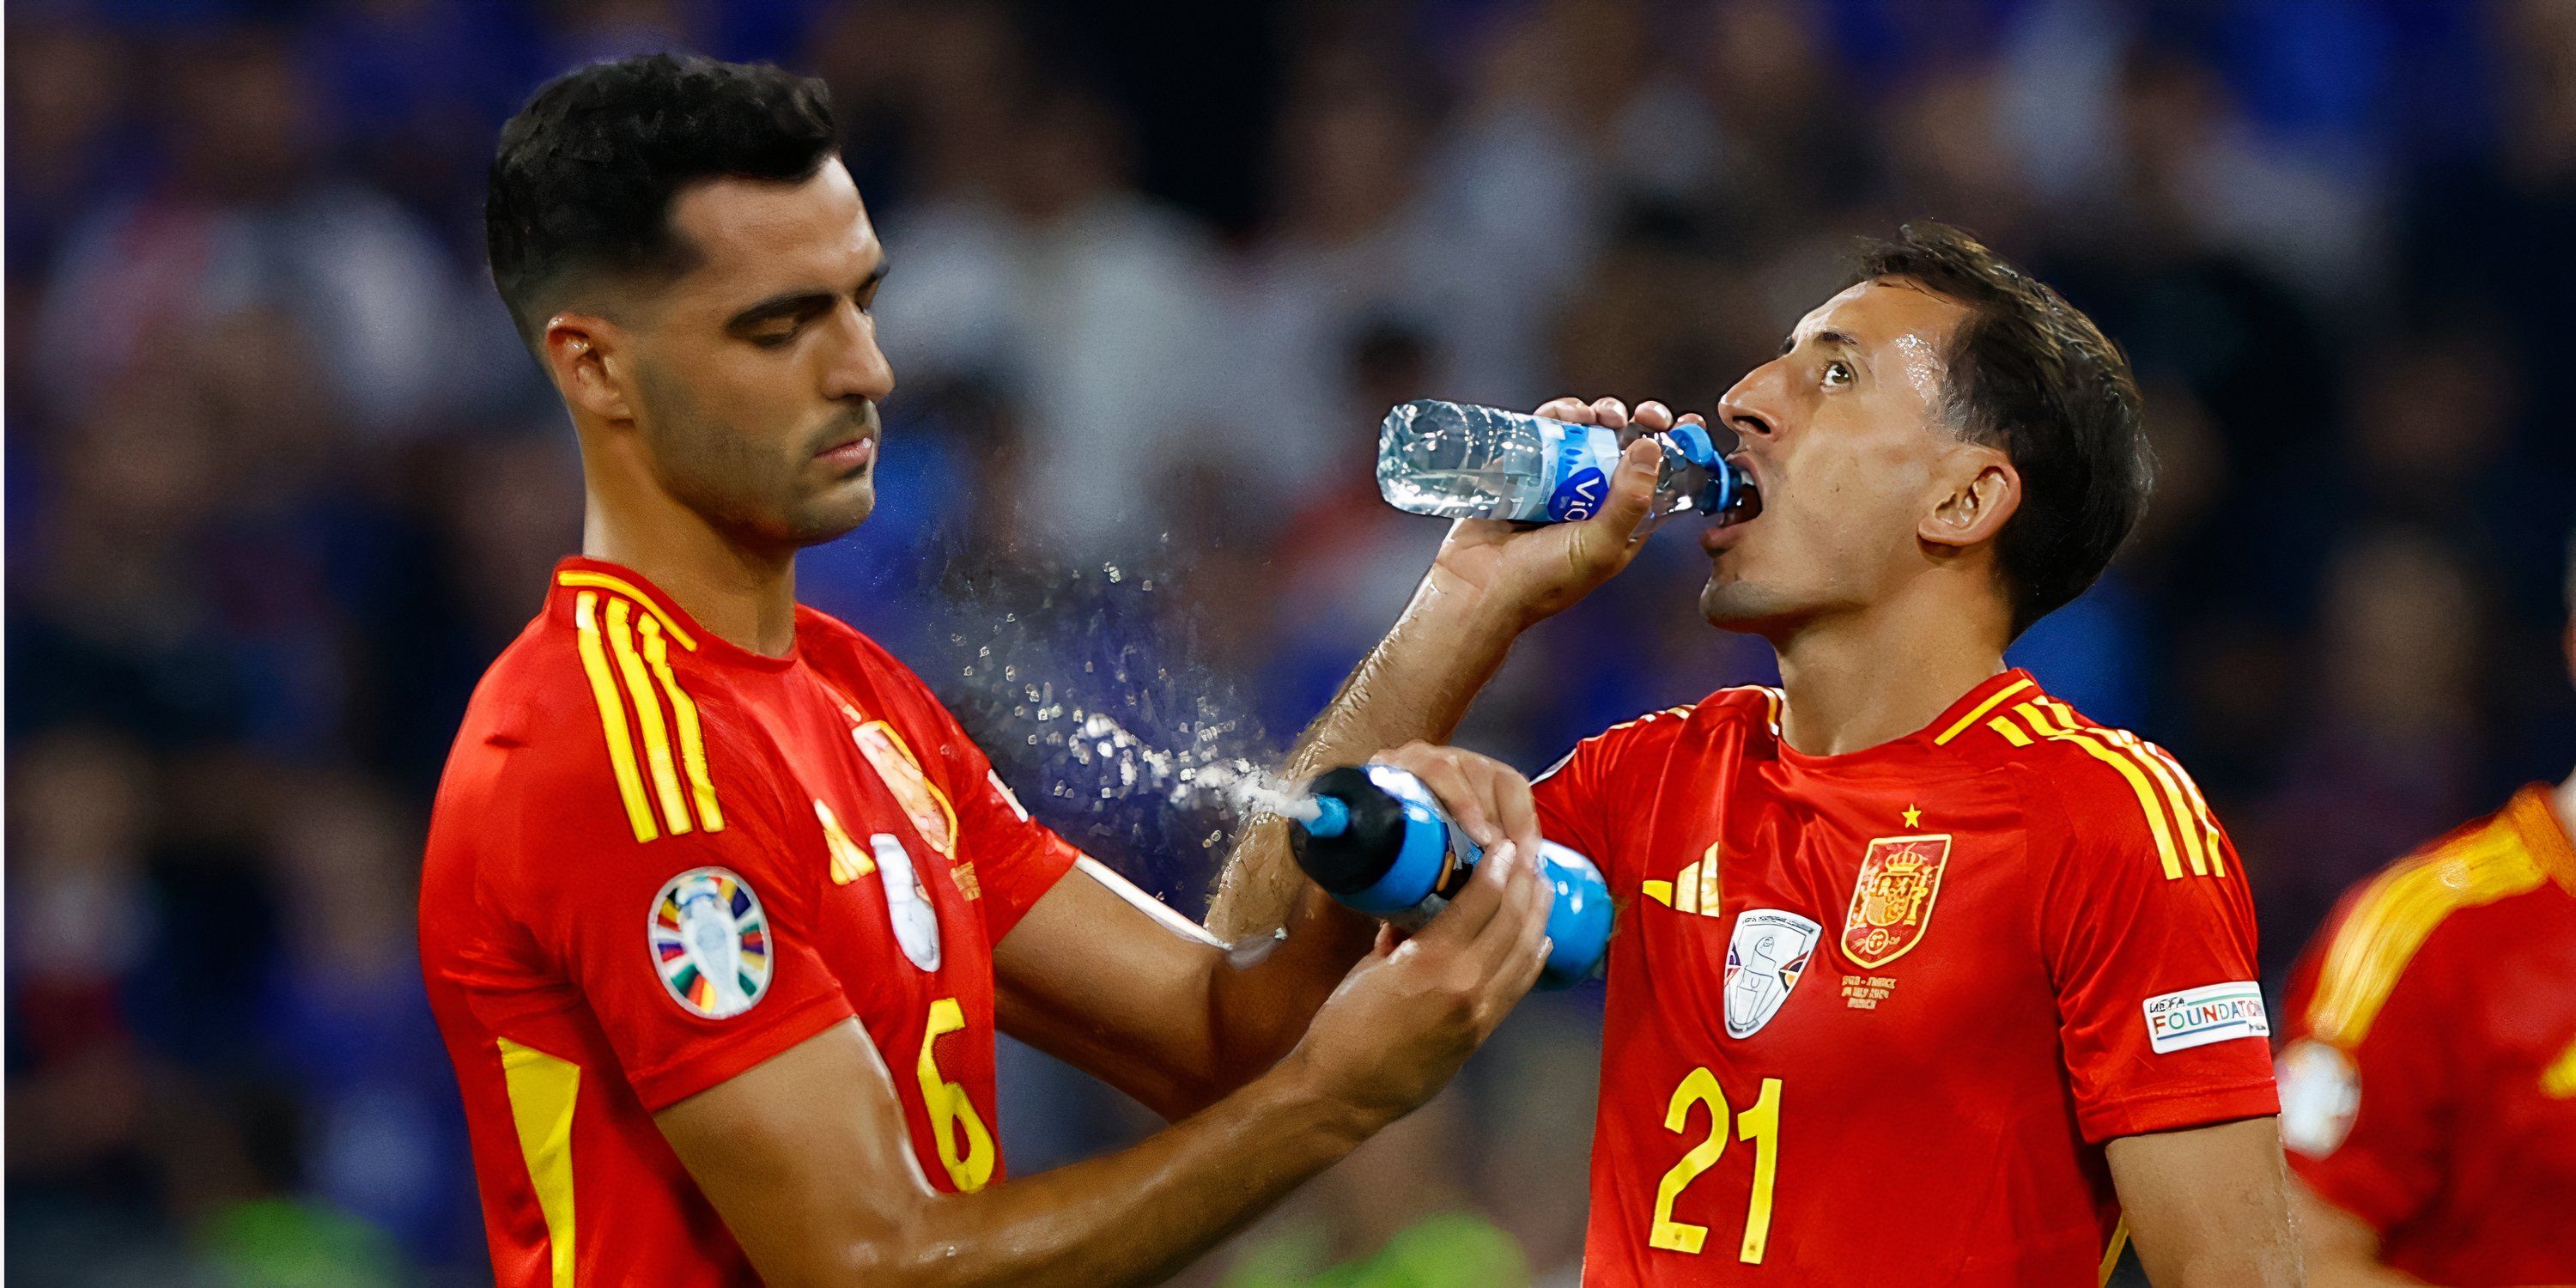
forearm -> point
(1138, 1215)
(1416, 684)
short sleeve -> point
(694, 951)
(1577, 795)
(1568, 794)
(2149, 938)
(2362, 1113)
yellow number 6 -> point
(951, 1111)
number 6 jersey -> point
(657, 860)
(1873, 1017)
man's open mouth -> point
(1746, 503)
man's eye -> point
(773, 339)
(1837, 373)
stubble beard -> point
(740, 487)
(1744, 608)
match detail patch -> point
(1764, 958)
(2210, 1013)
(710, 943)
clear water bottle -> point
(1375, 838)
(1460, 462)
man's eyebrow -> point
(798, 302)
(1835, 339)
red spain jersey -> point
(1872, 1017)
(657, 860)
(2428, 1084)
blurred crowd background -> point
(280, 481)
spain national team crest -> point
(710, 941)
(896, 767)
(1892, 901)
(1764, 958)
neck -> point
(2565, 799)
(1855, 680)
(745, 595)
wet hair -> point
(2030, 374)
(583, 180)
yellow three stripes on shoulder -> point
(632, 676)
(2177, 816)
(2397, 912)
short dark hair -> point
(2032, 375)
(585, 174)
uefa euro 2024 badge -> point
(1764, 958)
(710, 942)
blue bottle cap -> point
(1697, 447)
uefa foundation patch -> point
(710, 942)
(2210, 1013)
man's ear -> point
(588, 358)
(1983, 493)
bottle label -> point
(1578, 474)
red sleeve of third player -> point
(2363, 1108)
(694, 950)
(2149, 935)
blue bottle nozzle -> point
(1332, 817)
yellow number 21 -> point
(1759, 1124)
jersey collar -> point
(1964, 716)
(580, 574)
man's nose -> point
(1751, 408)
(859, 368)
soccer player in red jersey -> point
(1920, 976)
(721, 910)
(2428, 1077)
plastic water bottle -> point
(1461, 462)
(1379, 842)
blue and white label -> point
(1579, 465)
(2210, 1013)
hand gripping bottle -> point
(1460, 462)
(1379, 842)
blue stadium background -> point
(279, 483)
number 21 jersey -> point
(1873, 1017)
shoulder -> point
(2411, 914)
(852, 660)
(1737, 709)
(893, 710)
(2109, 791)
(1743, 709)
(594, 731)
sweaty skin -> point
(727, 419)
(1925, 369)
